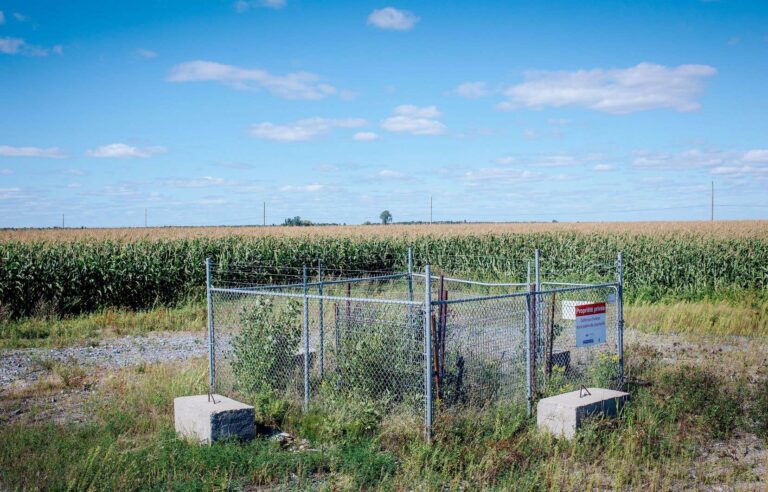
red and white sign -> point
(590, 324)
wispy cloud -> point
(2, 18)
(619, 91)
(472, 90)
(302, 130)
(365, 136)
(244, 5)
(498, 174)
(123, 151)
(145, 53)
(203, 182)
(310, 188)
(415, 120)
(49, 153)
(17, 46)
(393, 19)
(6, 172)
(296, 85)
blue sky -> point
(199, 112)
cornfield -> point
(67, 277)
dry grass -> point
(745, 228)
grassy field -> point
(688, 424)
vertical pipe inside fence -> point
(306, 342)
(428, 354)
(537, 302)
(410, 286)
(620, 317)
(209, 299)
(528, 372)
(320, 351)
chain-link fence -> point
(414, 342)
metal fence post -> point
(410, 274)
(306, 342)
(410, 286)
(620, 320)
(320, 351)
(211, 354)
(528, 372)
(537, 305)
(428, 355)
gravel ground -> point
(19, 367)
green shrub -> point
(264, 351)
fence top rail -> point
(300, 285)
(524, 294)
(474, 282)
(268, 293)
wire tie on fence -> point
(582, 389)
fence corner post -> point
(320, 315)
(211, 354)
(428, 355)
(306, 342)
(528, 327)
(620, 317)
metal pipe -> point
(320, 351)
(315, 296)
(211, 354)
(410, 287)
(306, 343)
(537, 302)
(528, 343)
(620, 321)
(428, 356)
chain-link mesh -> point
(479, 351)
(575, 333)
(313, 335)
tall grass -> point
(676, 413)
(75, 277)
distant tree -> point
(385, 217)
(296, 221)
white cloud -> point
(498, 174)
(389, 174)
(619, 91)
(688, 159)
(10, 46)
(17, 46)
(392, 19)
(757, 155)
(414, 120)
(6, 172)
(366, 136)
(302, 130)
(472, 90)
(73, 185)
(244, 6)
(145, 53)
(602, 167)
(19, 17)
(203, 182)
(296, 85)
(310, 188)
(10, 193)
(505, 160)
(49, 153)
(121, 150)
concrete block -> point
(563, 414)
(202, 420)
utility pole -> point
(712, 204)
(430, 209)
(264, 217)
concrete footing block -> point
(563, 414)
(207, 420)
